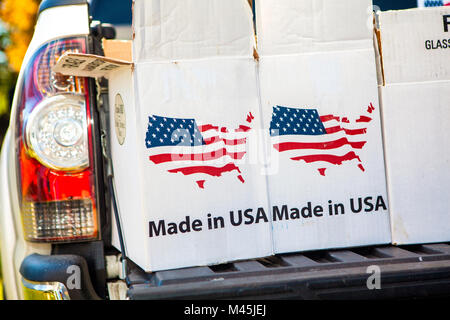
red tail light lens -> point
(55, 150)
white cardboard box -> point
(415, 98)
(194, 75)
(194, 60)
(317, 63)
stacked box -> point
(320, 104)
(187, 189)
(415, 99)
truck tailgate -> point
(405, 272)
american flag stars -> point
(163, 131)
(287, 121)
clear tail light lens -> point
(55, 150)
(56, 133)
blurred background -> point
(18, 17)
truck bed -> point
(415, 271)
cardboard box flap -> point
(191, 29)
(292, 26)
(415, 45)
(118, 49)
(88, 65)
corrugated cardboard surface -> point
(416, 121)
(292, 26)
(118, 49)
(127, 170)
(416, 126)
(407, 39)
(192, 29)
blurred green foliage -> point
(5, 74)
(7, 83)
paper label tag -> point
(85, 65)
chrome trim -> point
(57, 288)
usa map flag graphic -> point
(183, 146)
(433, 3)
(322, 140)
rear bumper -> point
(56, 277)
(420, 271)
(407, 272)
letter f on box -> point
(446, 22)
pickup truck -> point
(71, 256)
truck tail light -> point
(55, 150)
